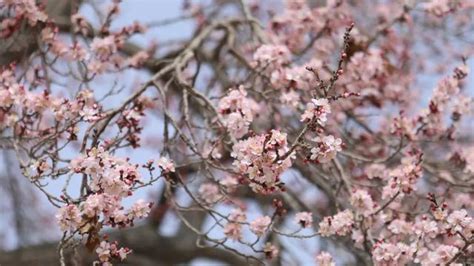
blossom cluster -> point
(22, 9)
(233, 229)
(340, 224)
(325, 259)
(111, 180)
(209, 193)
(272, 55)
(237, 111)
(317, 110)
(305, 219)
(106, 251)
(404, 177)
(362, 202)
(325, 149)
(263, 159)
(260, 225)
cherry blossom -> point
(268, 54)
(392, 254)
(166, 164)
(260, 225)
(317, 110)
(209, 193)
(237, 111)
(233, 228)
(297, 110)
(326, 148)
(305, 219)
(362, 201)
(339, 224)
(69, 218)
(259, 157)
(270, 250)
(325, 259)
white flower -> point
(166, 164)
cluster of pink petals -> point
(230, 183)
(233, 229)
(459, 221)
(111, 180)
(27, 9)
(325, 259)
(258, 157)
(441, 255)
(237, 112)
(260, 225)
(317, 110)
(19, 102)
(290, 98)
(340, 224)
(106, 251)
(385, 254)
(209, 193)
(362, 202)
(404, 177)
(166, 164)
(305, 219)
(270, 250)
(326, 148)
(441, 7)
(272, 55)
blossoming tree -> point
(276, 124)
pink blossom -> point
(258, 159)
(358, 238)
(140, 209)
(305, 219)
(339, 224)
(426, 228)
(103, 251)
(93, 205)
(90, 113)
(290, 98)
(80, 24)
(138, 59)
(270, 250)
(69, 218)
(404, 177)
(440, 7)
(271, 54)
(166, 164)
(440, 256)
(209, 193)
(104, 48)
(260, 225)
(234, 227)
(326, 148)
(392, 254)
(106, 251)
(399, 226)
(325, 259)
(460, 221)
(317, 109)
(229, 182)
(362, 202)
(237, 112)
